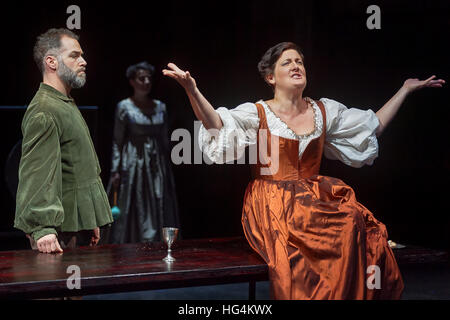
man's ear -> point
(51, 62)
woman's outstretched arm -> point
(389, 110)
(203, 110)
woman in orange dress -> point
(318, 241)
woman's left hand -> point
(414, 84)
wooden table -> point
(135, 267)
(130, 267)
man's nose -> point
(83, 62)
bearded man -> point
(60, 201)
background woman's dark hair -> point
(267, 64)
(133, 69)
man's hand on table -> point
(49, 244)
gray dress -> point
(146, 196)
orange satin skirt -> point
(318, 241)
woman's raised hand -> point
(203, 110)
(414, 84)
(183, 77)
(390, 108)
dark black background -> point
(220, 43)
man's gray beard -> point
(69, 77)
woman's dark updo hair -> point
(267, 64)
(133, 69)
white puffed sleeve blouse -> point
(350, 132)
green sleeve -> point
(39, 209)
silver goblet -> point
(169, 237)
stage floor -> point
(422, 282)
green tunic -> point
(60, 189)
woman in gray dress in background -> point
(141, 171)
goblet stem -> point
(169, 257)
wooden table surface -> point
(134, 267)
(129, 267)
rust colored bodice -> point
(289, 166)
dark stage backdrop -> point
(220, 43)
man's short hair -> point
(50, 43)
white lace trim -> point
(142, 118)
(280, 128)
